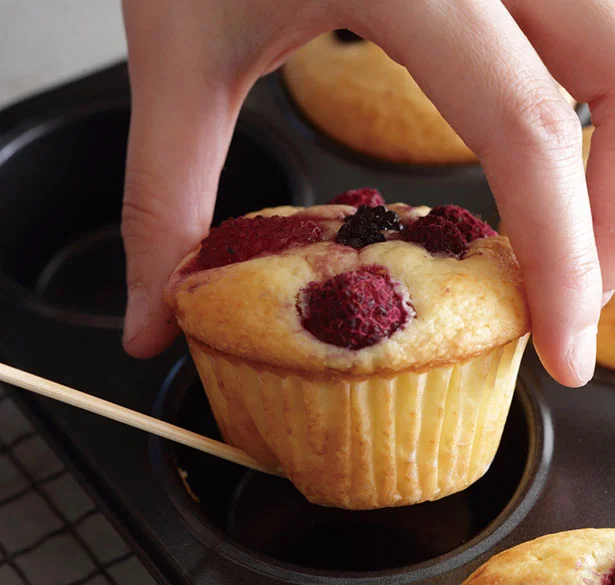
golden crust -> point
(359, 96)
(587, 139)
(248, 309)
(577, 557)
(331, 375)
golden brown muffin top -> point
(441, 307)
(357, 94)
(577, 557)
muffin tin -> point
(61, 304)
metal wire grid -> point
(24, 565)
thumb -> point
(177, 146)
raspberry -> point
(437, 235)
(344, 35)
(470, 226)
(608, 578)
(354, 309)
(240, 239)
(357, 197)
(365, 226)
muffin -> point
(352, 91)
(370, 351)
(577, 557)
(588, 131)
(605, 342)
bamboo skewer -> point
(128, 417)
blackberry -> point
(357, 238)
(366, 225)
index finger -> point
(484, 76)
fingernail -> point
(606, 297)
(582, 356)
(138, 311)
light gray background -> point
(45, 42)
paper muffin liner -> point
(367, 443)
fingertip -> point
(138, 312)
(572, 363)
(148, 330)
(581, 356)
(148, 345)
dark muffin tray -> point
(61, 303)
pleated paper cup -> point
(372, 442)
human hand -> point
(482, 63)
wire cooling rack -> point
(51, 533)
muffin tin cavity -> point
(61, 184)
(264, 522)
(61, 187)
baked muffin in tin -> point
(368, 350)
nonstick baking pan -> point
(194, 519)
